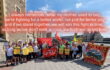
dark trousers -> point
(35, 55)
(71, 52)
(79, 53)
(67, 57)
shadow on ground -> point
(53, 60)
(90, 66)
(105, 66)
(3, 66)
(79, 62)
(39, 60)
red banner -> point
(47, 53)
(96, 54)
(45, 40)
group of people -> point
(20, 52)
(70, 50)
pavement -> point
(57, 64)
(4, 67)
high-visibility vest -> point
(67, 51)
(61, 51)
(62, 46)
(30, 49)
(16, 50)
(25, 51)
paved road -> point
(53, 64)
(4, 67)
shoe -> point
(7, 65)
(12, 64)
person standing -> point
(71, 51)
(9, 53)
(84, 49)
(75, 49)
(61, 50)
(24, 52)
(30, 51)
(67, 51)
(5, 47)
(36, 51)
(79, 52)
(16, 52)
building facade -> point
(10, 6)
(1, 17)
(92, 36)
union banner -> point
(96, 54)
(45, 40)
(47, 53)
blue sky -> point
(101, 6)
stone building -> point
(1, 17)
(9, 6)
(106, 40)
(95, 36)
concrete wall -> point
(2, 53)
(16, 36)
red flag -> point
(64, 41)
(58, 37)
(45, 40)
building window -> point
(0, 19)
(0, 13)
(21, 1)
(17, 9)
(1, 24)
